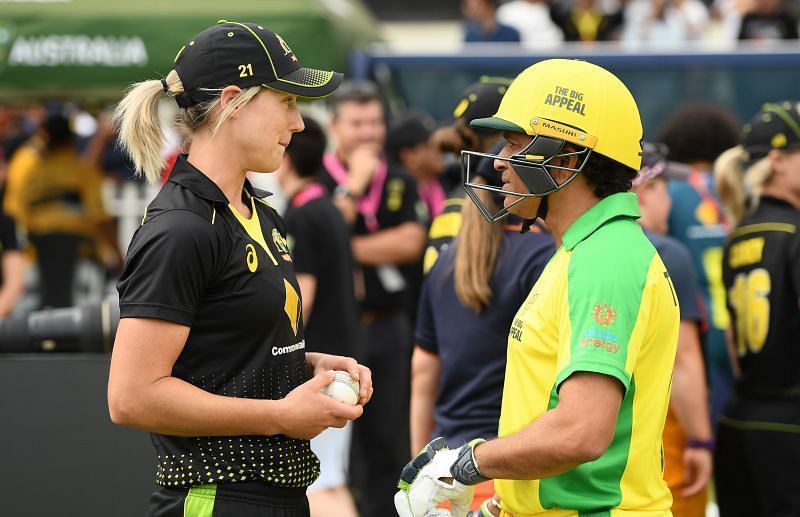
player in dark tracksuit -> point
(758, 443)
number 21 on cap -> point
(245, 70)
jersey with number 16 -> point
(761, 271)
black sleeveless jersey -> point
(761, 271)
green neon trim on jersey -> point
(763, 227)
(753, 425)
(199, 501)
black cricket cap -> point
(481, 99)
(776, 126)
(245, 55)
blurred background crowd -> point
(385, 150)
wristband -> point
(465, 468)
(343, 191)
(701, 444)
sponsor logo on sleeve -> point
(602, 339)
(604, 314)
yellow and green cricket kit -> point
(604, 304)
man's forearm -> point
(393, 246)
(579, 429)
(544, 448)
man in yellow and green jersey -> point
(591, 350)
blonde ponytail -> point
(140, 133)
(740, 188)
(477, 246)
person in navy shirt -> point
(482, 26)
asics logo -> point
(252, 258)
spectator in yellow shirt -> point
(56, 197)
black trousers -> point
(57, 255)
(248, 499)
(381, 440)
(757, 459)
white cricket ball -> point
(344, 388)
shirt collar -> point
(622, 204)
(190, 177)
(776, 202)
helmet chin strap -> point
(540, 214)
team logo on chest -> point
(281, 244)
(252, 258)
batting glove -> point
(437, 474)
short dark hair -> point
(606, 176)
(700, 132)
(360, 91)
(408, 131)
(307, 148)
(59, 133)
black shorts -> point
(247, 499)
(757, 457)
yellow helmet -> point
(576, 101)
(559, 102)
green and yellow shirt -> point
(603, 304)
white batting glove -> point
(428, 480)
